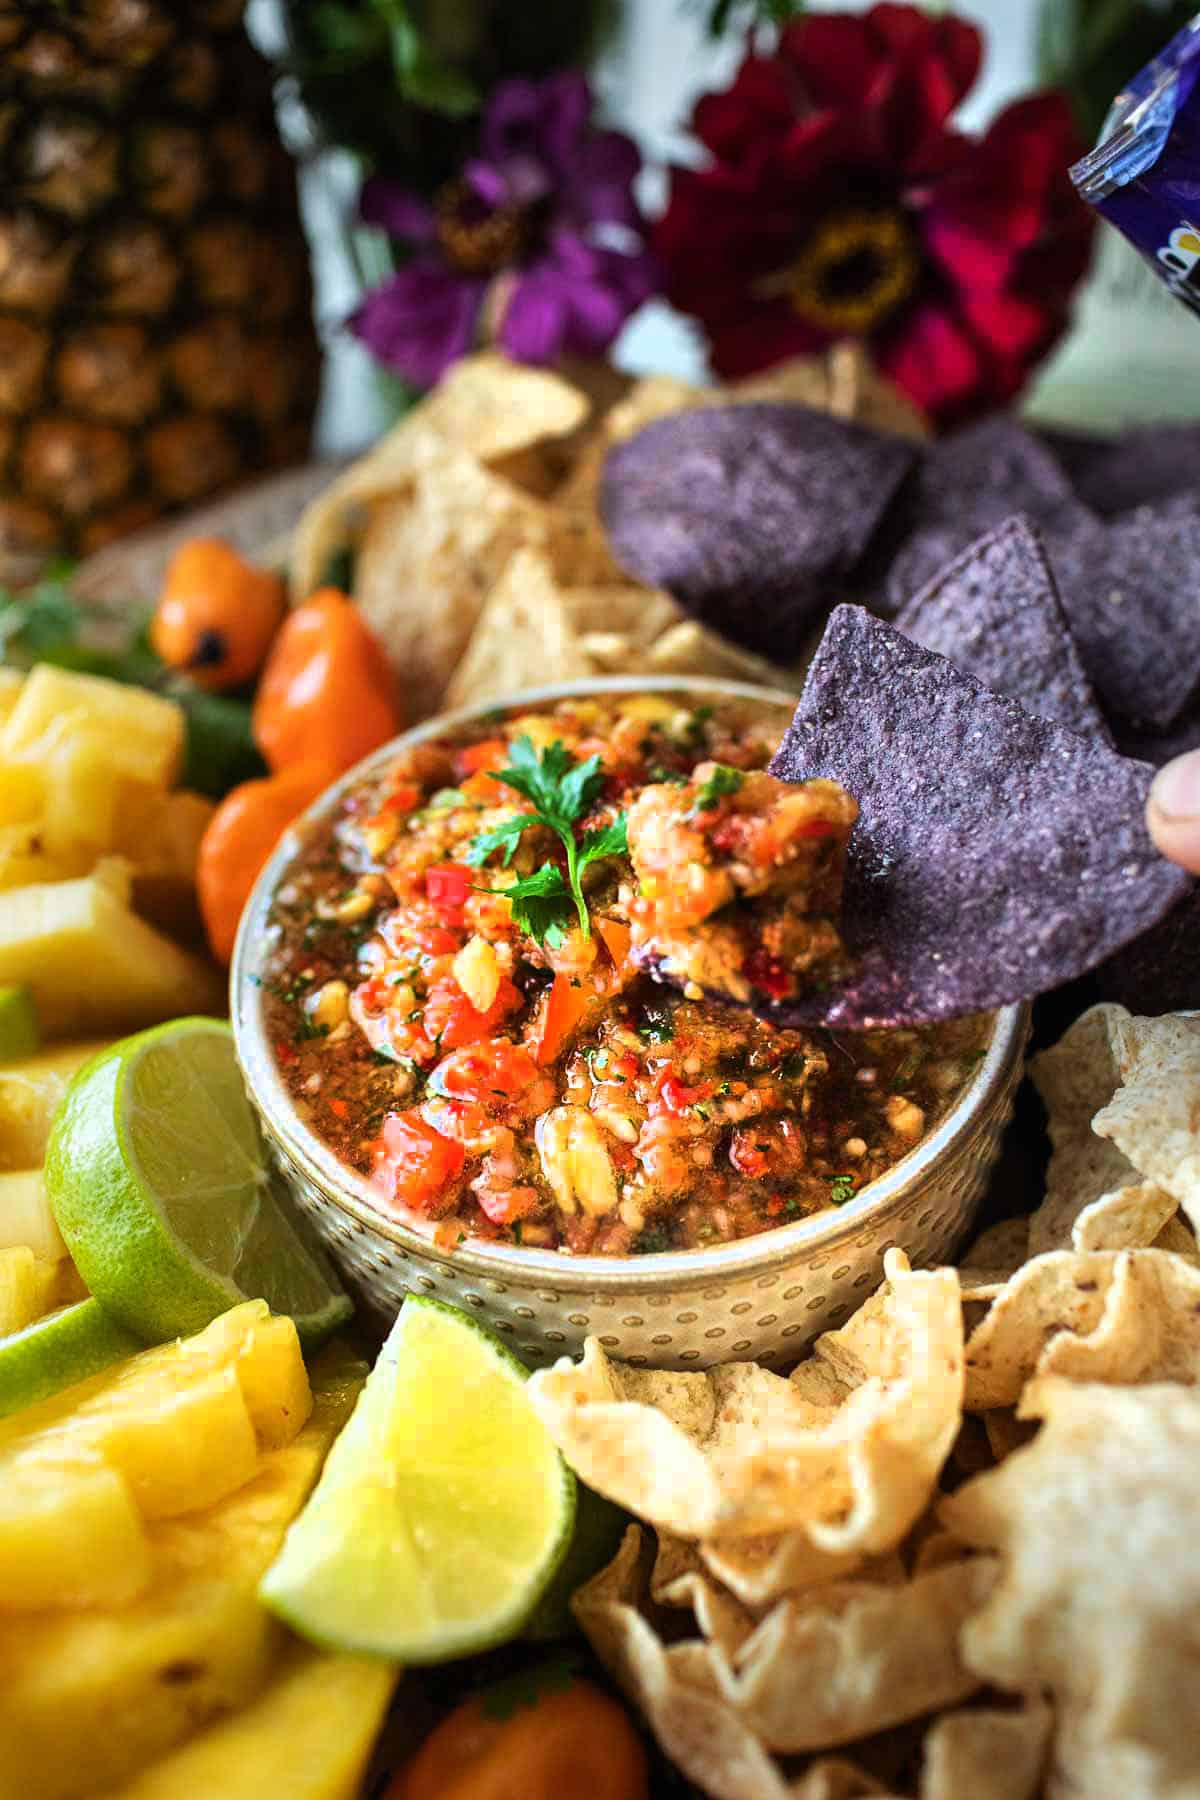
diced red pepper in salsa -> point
(418, 1159)
(486, 1071)
(448, 886)
(451, 1020)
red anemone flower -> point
(838, 202)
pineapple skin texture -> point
(90, 1698)
(156, 335)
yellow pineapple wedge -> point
(308, 1736)
(90, 1698)
(182, 1423)
(26, 1219)
(30, 1091)
(70, 1535)
(28, 1287)
(92, 964)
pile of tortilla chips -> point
(478, 552)
(953, 1555)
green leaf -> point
(528, 1686)
(219, 750)
(504, 836)
(721, 782)
(610, 840)
(542, 905)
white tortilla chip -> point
(1128, 1317)
(1095, 1196)
(984, 1754)
(1099, 1595)
(843, 1662)
(523, 637)
(428, 560)
(1153, 1117)
(738, 1452)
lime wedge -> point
(444, 1508)
(20, 1034)
(156, 1173)
(56, 1352)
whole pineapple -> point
(156, 338)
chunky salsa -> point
(506, 982)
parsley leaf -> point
(504, 836)
(721, 782)
(611, 840)
(561, 790)
(542, 905)
(527, 1686)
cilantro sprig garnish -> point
(561, 791)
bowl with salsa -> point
(495, 1001)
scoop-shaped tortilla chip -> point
(995, 611)
(750, 515)
(739, 1452)
(1154, 1116)
(1100, 1586)
(1095, 1197)
(1129, 1317)
(984, 1754)
(996, 855)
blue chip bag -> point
(1144, 174)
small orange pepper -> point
(327, 693)
(575, 1740)
(241, 836)
(216, 615)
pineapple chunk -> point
(308, 1735)
(22, 792)
(30, 1091)
(27, 1288)
(181, 1444)
(26, 1217)
(130, 1684)
(25, 859)
(11, 683)
(265, 1353)
(92, 964)
(141, 733)
(161, 838)
(70, 1535)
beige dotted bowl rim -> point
(667, 1271)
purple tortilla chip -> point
(1114, 475)
(749, 515)
(996, 855)
(1131, 592)
(995, 612)
(969, 483)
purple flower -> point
(540, 235)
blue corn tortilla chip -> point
(753, 517)
(967, 484)
(1129, 589)
(997, 854)
(1113, 475)
(995, 612)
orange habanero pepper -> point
(241, 836)
(575, 1740)
(216, 615)
(327, 693)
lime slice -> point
(599, 1527)
(156, 1173)
(444, 1509)
(56, 1352)
(20, 1034)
